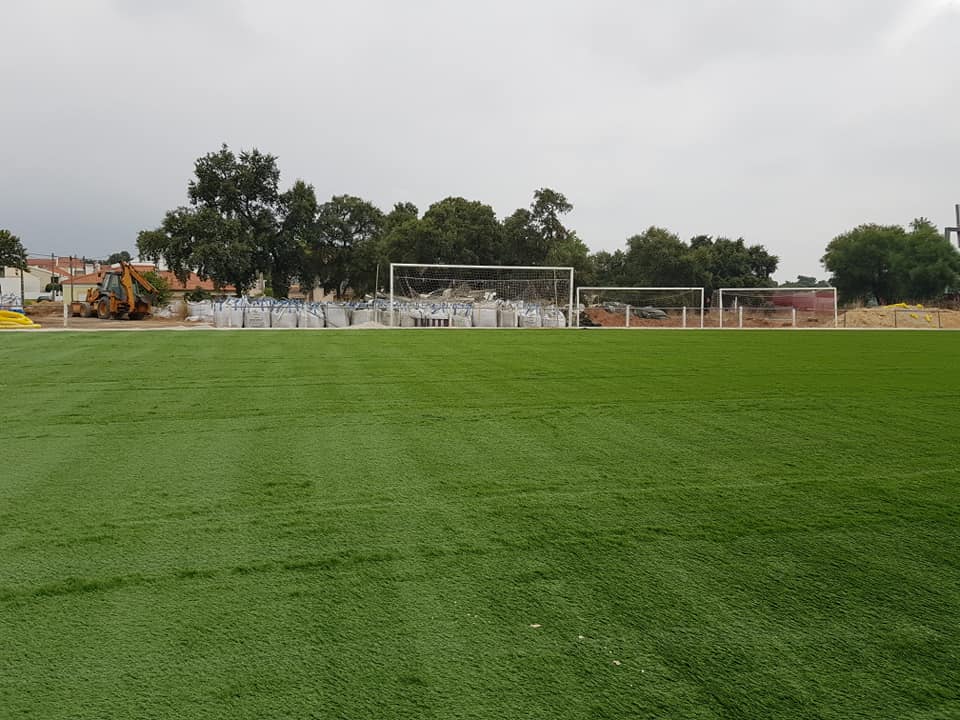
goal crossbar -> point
(482, 267)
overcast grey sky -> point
(783, 122)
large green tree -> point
(730, 263)
(238, 224)
(658, 258)
(452, 231)
(201, 240)
(538, 236)
(401, 226)
(927, 264)
(12, 252)
(607, 269)
(522, 243)
(345, 248)
(889, 264)
(117, 257)
(805, 281)
(460, 231)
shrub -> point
(162, 286)
(197, 295)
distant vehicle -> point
(45, 297)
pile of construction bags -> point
(261, 313)
(487, 315)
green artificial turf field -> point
(430, 524)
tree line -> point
(240, 223)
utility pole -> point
(954, 230)
(22, 270)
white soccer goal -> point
(480, 296)
(776, 307)
(640, 307)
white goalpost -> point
(434, 295)
(777, 307)
(639, 307)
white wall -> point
(34, 282)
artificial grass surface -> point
(370, 524)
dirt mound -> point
(44, 309)
(900, 316)
(604, 318)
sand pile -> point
(900, 316)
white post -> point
(626, 320)
(836, 318)
(721, 309)
(794, 316)
(391, 296)
(684, 317)
(702, 308)
(578, 311)
(65, 313)
(740, 314)
(571, 309)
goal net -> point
(776, 307)
(640, 307)
(480, 296)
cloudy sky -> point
(782, 122)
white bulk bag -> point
(200, 311)
(311, 316)
(531, 318)
(283, 315)
(360, 316)
(462, 316)
(554, 317)
(338, 316)
(256, 316)
(485, 316)
(410, 316)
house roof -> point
(60, 266)
(54, 270)
(193, 280)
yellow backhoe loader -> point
(123, 292)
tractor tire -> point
(103, 309)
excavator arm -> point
(136, 285)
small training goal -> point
(480, 296)
(640, 307)
(775, 307)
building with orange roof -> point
(76, 287)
